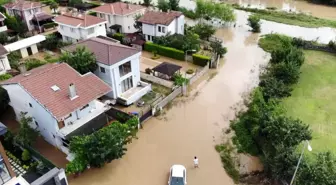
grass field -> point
(313, 99)
(291, 18)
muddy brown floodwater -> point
(191, 127)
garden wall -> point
(198, 74)
(156, 80)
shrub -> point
(118, 36)
(33, 63)
(148, 71)
(25, 155)
(254, 23)
(5, 77)
(190, 71)
(49, 25)
(229, 163)
(200, 60)
(188, 13)
(165, 51)
(180, 80)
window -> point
(36, 123)
(126, 84)
(30, 105)
(129, 27)
(102, 69)
(148, 37)
(159, 28)
(163, 30)
(125, 68)
(87, 105)
(90, 30)
(72, 29)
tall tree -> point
(53, 6)
(147, 2)
(174, 4)
(163, 5)
(4, 100)
(209, 9)
(205, 31)
(81, 60)
(26, 135)
(16, 24)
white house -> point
(59, 99)
(120, 16)
(156, 24)
(26, 46)
(75, 26)
(4, 63)
(3, 27)
(24, 9)
(119, 67)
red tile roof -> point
(78, 20)
(38, 83)
(22, 5)
(164, 18)
(106, 52)
(118, 8)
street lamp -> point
(192, 50)
(298, 164)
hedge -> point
(165, 51)
(5, 77)
(49, 25)
(200, 60)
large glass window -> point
(125, 68)
(126, 84)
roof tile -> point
(164, 18)
(22, 5)
(118, 8)
(78, 20)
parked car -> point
(178, 175)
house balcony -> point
(135, 93)
(94, 120)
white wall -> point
(4, 64)
(20, 99)
(180, 25)
(77, 114)
(29, 15)
(81, 33)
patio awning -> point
(42, 16)
(167, 68)
(3, 129)
(115, 26)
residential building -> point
(3, 27)
(120, 16)
(26, 46)
(24, 9)
(75, 26)
(59, 99)
(118, 66)
(156, 24)
(4, 63)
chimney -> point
(72, 91)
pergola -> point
(40, 19)
(166, 70)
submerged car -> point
(178, 175)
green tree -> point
(254, 23)
(14, 59)
(81, 60)
(102, 146)
(209, 10)
(205, 31)
(26, 135)
(4, 100)
(289, 73)
(147, 2)
(16, 24)
(273, 88)
(51, 42)
(137, 25)
(163, 5)
(53, 6)
(218, 48)
(3, 38)
(174, 4)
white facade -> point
(4, 64)
(44, 121)
(126, 21)
(27, 15)
(125, 85)
(158, 30)
(74, 34)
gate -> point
(146, 115)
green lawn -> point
(313, 99)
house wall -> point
(20, 99)
(4, 64)
(77, 114)
(180, 25)
(148, 29)
(29, 15)
(112, 76)
(81, 33)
